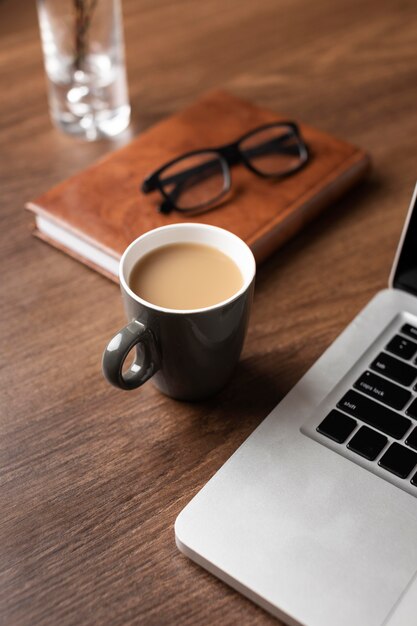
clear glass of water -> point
(83, 49)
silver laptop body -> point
(312, 528)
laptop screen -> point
(405, 271)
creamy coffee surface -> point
(185, 276)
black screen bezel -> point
(405, 274)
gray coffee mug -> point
(190, 354)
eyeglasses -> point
(197, 181)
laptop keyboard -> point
(377, 417)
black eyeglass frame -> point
(228, 155)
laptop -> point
(314, 517)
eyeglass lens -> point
(272, 151)
(196, 180)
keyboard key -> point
(337, 426)
(414, 480)
(383, 390)
(374, 414)
(398, 460)
(402, 347)
(395, 369)
(367, 443)
(412, 409)
(412, 439)
(409, 330)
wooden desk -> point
(91, 478)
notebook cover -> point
(104, 206)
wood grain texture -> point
(91, 478)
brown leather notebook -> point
(95, 214)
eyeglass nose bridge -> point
(231, 154)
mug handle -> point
(117, 350)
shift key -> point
(383, 390)
(374, 414)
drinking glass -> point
(83, 49)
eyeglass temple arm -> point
(273, 145)
(203, 170)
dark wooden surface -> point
(91, 478)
